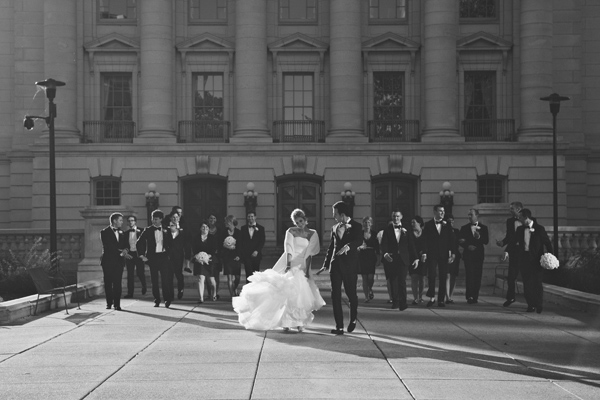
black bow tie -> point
(397, 226)
(438, 222)
(115, 229)
(252, 226)
(158, 228)
(474, 224)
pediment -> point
(205, 42)
(390, 42)
(482, 41)
(112, 42)
(298, 42)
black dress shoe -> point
(337, 331)
(179, 295)
(156, 303)
(108, 306)
(539, 309)
(395, 306)
(351, 326)
(530, 309)
(430, 303)
(441, 304)
(167, 303)
(128, 296)
(449, 301)
(508, 302)
(117, 308)
(144, 289)
(470, 300)
(403, 307)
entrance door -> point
(305, 195)
(393, 194)
(203, 197)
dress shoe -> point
(337, 331)
(128, 296)
(394, 306)
(179, 295)
(508, 302)
(449, 301)
(117, 308)
(351, 326)
(167, 303)
(470, 300)
(108, 306)
(300, 329)
(144, 290)
(403, 307)
(530, 309)
(430, 303)
(441, 304)
(539, 309)
(286, 329)
(474, 301)
(156, 303)
(371, 295)
(415, 302)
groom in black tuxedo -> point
(342, 263)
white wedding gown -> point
(275, 298)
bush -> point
(581, 272)
(15, 281)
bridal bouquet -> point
(548, 261)
(202, 258)
(229, 243)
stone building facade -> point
(395, 97)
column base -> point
(346, 136)
(441, 135)
(251, 136)
(535, 134)
(154, 138)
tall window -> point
(480, 95)
(298, 10)
(208, 97)
(117, 9)
(208, 10)
(298, 97)
(107, 192)
(477, 9)
(387, 93)
(116, 94)
(490, 189)
(387, 10)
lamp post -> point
(151, 201)
(554, 99)
(250, 198)
(447, 197)
(348, 197)
(49, 86)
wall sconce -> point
(447, 197)
(348, 196)
(151, 200)
(250, 198)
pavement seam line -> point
(137, 354)
(258, 364)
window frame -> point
(116, 21)
(103, 107)
(283, 91)
(296, 21)
(206, 21)
(481, 20)
(402, 76)
(502, 179)
(494, 95)
(194, 77)
(388, 21)
(106, 179)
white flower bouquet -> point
(203, 258)
(229, 243)
(548, 261)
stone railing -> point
(573, 240)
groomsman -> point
(440, 251)
(114, 253)
(153, 246)
(179, 252)
(399, 252)
(135, 265)
(512, 224)
(472, 237)
(530, 240)
(253, 241)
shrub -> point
(15, 281)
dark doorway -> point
(303, 194)
(394, 192)
(203, 196)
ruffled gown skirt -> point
(273, 300)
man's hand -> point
(254, 254)
(424, 258)
(387, 257)
(321, 270)
(504, 256)
(451, 259)
(415, 263)
(144, 258)
(499, 243)
(343, 250)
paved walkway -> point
(192, 351)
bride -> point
(283, 296)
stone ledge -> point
(16, 309)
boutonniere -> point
(531, 229)
(256, 228)
(403, 230)
(120, 232)
(477, 227)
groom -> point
(342, 263)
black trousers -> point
(398, 284)
(473, 272)
(113, 274)
(533, 275)
(513, 272)
(251, 265)
(338, 277)
(159, 265)
(441, 267)
(177, 268)
(135, 266)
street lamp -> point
(348, 197)
(250, 198)
(554, 99)
(447, 197)
(49, 86)
(151, 201)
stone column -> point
(251, 72)
(346, 75)
(157, 51)
(439, 58)
(536, 69)
(60, 63)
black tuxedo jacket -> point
(353, 237)
(146, 244)
(538, 241)
(438, 246)
(402, 252)
(250, 245)
(509, 238)
(469, 240)
(138, 233)
(181, 247)
(112, 248)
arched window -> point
(106, 191)
(491, 189)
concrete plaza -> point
(198, 351)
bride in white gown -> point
(284, 296)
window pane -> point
(107, 192)
(208, 97)
(117, 97)
(477, 8)
(388, 96)
(298, 9)
(480, 99)
(491, 190)
(117, 9)
(387, 9)
(298, 96)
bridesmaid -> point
(368, 254)
(207, 244)
(214, 231)
(417, 275)
(230, 255)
